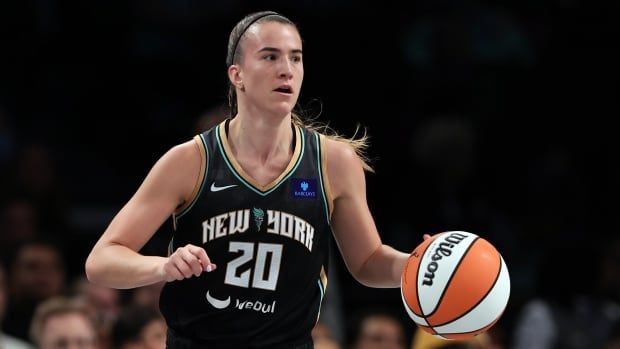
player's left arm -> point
(370, 261)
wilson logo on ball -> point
(443, 250)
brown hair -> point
(55, 307)
(234, 55)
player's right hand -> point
(185, 262)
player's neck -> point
(262, 138)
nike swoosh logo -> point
(214, 188)
(216, 303)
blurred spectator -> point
(378, 330)
(6, 341)
(37, 272)
(36, 170)
(424, 340)
(36, 178)
(147, 295)
(19, 222)
(61, 323)
(103, 303)
(326, 344)
(212, 117)
(139, 327)
(323, 337)
(579, 300)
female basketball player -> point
(253, 200)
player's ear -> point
(234, 75)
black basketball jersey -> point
(270, 245)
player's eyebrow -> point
(277, 50)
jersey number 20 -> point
(258, 279)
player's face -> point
(272, 69)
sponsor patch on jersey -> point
(303, 188)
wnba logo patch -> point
(303, 188)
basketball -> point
(455, 285)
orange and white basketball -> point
(455, 285)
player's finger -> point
(211, 267)
(182, 266)
(205, 261)
(191, 260)
(178, 273)
(171, 272)
(426, 236)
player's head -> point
(265, 67)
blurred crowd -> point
(492, 125)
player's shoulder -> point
(185, 151)
(344, 166)
(339, 152)
(180, 167)
(186, 155)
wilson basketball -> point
(455, 285)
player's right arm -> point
(114, 260)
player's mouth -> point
(284, 89)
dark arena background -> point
(495, 118)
